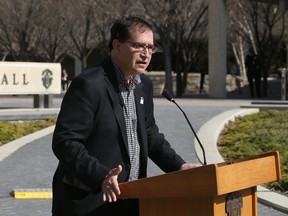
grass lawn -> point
(255, 134)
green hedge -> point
(10, 131)
(255, 134)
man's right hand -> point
(110, 186)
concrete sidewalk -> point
(31, 163)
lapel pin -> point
(142, 100)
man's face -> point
(131, 57)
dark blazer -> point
(90, 139)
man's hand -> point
(110, 185)
(189, 166)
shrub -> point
(10, 131)
(255, 134)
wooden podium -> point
(216, 189)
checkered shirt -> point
(130, 115)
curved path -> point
(32, 164)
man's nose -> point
(146, 52)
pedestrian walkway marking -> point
(32, 193)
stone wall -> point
(193, 86)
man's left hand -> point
(189, 166)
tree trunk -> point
(179, 84)
(168, 66)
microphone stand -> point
(168, 96)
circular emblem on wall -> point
(47, 77)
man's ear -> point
(116, 44)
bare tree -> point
(179, 25)
(48, 30)
(190, 41)
(51, 32)
(87, 23)
(261, 25)
(237, 24)
(77, 18)
(18, 28)
(160, 14)
(111, 10)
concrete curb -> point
(208, 135)
(28, 114)
(210, 131)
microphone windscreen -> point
(167, 95)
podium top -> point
(209, 180)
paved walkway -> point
(33, 165)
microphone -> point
(169, 97)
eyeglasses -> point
(141, 47)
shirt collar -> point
(122, 82)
